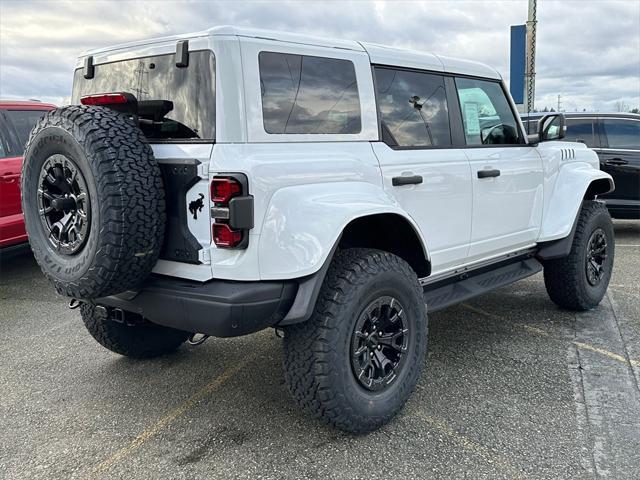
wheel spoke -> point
(360, 351)
(381, 362)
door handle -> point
(616, 161)
(10, 177)
(488, 173)
(406, 180)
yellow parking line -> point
(167, 419)
(465, 442)
(539, 331)
(606, 353)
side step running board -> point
(442, 295)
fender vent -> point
(568, 153)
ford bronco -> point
(232, 180)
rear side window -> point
(413, 108)
(580, 130)
(486, 114)
(623, 134)
(305, 95)
(23, 122)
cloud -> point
(587, 51)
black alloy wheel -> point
(596, 257)
(63, 204)
(379, 344)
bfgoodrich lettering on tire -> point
(93, 201)
(357, 360)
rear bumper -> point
(219, 308)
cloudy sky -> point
(588, 50)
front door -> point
(429, 178)
(506, 173)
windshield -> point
(191, 89)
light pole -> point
(530, 72)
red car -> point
(16, 121)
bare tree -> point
(621, 106)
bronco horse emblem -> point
(196, 206)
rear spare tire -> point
(93, 201)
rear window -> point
(191, 89)
(624, 134)
(305, 94)
(23, 122)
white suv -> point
(231, 180)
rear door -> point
(421, 168)
(506, 173)
(620, 156)
(15, 126)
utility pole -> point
(559, 103)
(530, 72)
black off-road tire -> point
(125, 189)
(566, 278)
(143, 340)
(317, 355)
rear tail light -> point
(108, 99)
(223, 189)
(224, 237)
(232, 211)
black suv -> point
(616, 139)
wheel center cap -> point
(64, 204)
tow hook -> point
(74, 303)
(196, 339)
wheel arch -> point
(378, 231)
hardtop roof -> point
(378, 54)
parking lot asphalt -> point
(513, 388)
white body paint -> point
(307, 188)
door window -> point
(4, 151)
(413, 108)
(23, 122)
(486, 113)
(305, 94)
(580, 130)
(623, 134)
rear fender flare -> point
(303, 223)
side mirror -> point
(551, 127)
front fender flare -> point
(566, 199)
(303, 223)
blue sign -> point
(517, 62)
